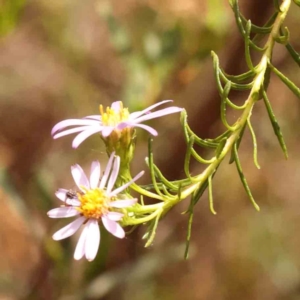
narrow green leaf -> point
(217, 71)
(243, 179)
(200, 191)
(240, 78)
(153, 231)
(258, 29)
(220, 137)
(277, 4)
(189, 229)
(297, 2)
(275, 124)
(294, 54)
(235, 7)
(269, 23)
(284, 36)
(236, 86)
(255, 47)
(254, 143)
(238, 142)
(286, 81)
(223, 106)
(210, 196)
(188, 132)
(266, 82)
(204, 143)
(220, 147)
(151, 168)
(163, 179)
(247, 46)
(187, 158)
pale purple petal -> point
(92, 240)
(80, 247)
(68, 230)
(94, 117)
(113, 227)
(116, 106)
(72, 122)
(63, 212)
(70, 131)
(122, 203)
(159, 113)
(137, 114)
(114, 174)
(85, 134)
(61, 194)
(123, 187)
(114, 216)
(107, 130)
(107, 171)
(95, 174)
(80, 177)
(73, 202)
(133, 124)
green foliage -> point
(255, 81)
(9, 14)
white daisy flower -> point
(114, 119)
(97, 200)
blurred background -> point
(61, 59)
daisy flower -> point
(114, 119)
(96, 201)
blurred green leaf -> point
(9, 14)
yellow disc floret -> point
(94, 203)
(110, 117)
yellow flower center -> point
(94, 203)
(111, 118)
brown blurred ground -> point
(61, 59)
